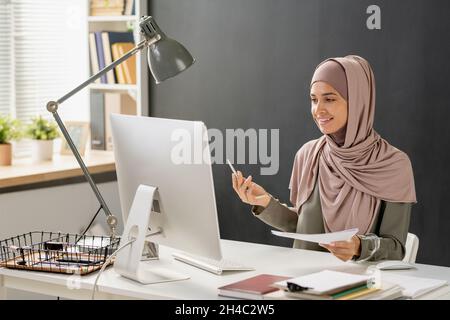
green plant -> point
(10, 129)
(42, 129)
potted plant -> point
(9, 131)
(42, 132)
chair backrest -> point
(411, 246)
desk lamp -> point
(166, 58)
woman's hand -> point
(250, 192)
(345, 250)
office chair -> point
(411, 246)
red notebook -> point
(253, 288)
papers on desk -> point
(413, 287)
(325, 238)
(337, 285)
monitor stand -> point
(127, 262)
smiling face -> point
(328, 108)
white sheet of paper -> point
(325, 238)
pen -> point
(231, 167)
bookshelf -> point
(137, 91)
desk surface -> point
(24, 172)
(202, 285)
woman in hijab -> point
(348, 178)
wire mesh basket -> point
(56, 252)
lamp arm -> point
(52, 107)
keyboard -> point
(211, 265)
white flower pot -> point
(41, 150)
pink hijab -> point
(354, 176)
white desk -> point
(202, 285)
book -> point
(116, 37)
(100, 54)
(325, 282)
(116, 103)
(128, 66)
(106, 3)
(347, 294)
(120, 74)
(107, 12)
(93, 55)
(388, 291)
(110, 77)
(97, 110)
(253, 288)
(110, 7)
(129, 7)
(354, 293)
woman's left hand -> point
(345, 250)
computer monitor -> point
(147, 152)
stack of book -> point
(334, 285)
(324, 285)
(107, 7)
(106, 47)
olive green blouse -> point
(386, 239)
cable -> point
(90, 224)
(107, 262)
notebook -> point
(325, 282)
(253, 288)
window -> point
(5, 58)
(45, 56)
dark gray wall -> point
(255, 59)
